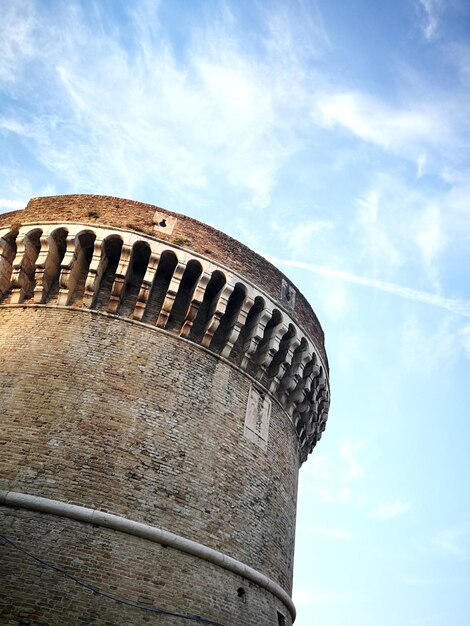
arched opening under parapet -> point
(292, 374)
(208, 305)
(166, 267)
(300, 394)
(184, 295)
(229, 318)
(269, 332)
(135, 274)
(248, 330)
(52, 266)
(27, 274)
(281, 354)
(7, 256)
(106, 272)
(84, 245)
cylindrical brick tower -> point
(160, 385)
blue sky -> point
(333, 137)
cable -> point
(137, 605)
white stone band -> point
(151, 533)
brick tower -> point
(160, 386)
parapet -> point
(174, 274)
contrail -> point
(461, 307)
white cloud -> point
(350, 452)
(420, 165)
(16, 37)
(452, 542)
(404, 130)
(465, 338)
(388, 510)
(114, 118)
(430, 11)
(300, 237)
(375, 242)
(336, 303)
(460, 307)
(334, 478)
(431, 239)
(427, 349)
(11, 205)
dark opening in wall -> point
(52, 266)
(135, 274)
(208, 305)
(281, 619)
(241, 592)
(248, 330)
(183, 298)
(26, 278)
(106, 272)
(161, 282)
(281, 354)
(291, 376)
(261, 354)
(84, 243)
(229, 318)
(7, 256)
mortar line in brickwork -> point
(145, 531)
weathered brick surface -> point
(113, 415)
(190, 233)
(121, 565)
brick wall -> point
(123, 566)
(112, 415)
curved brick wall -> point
(128, 566)
(162, 377)
(151, 429)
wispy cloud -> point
(460, 307)
(465, 336)
(350, 452)
(16, 37)
(388, 510)
(421, 164)
(375, 242)
(429, 16)
(391, 127)
(300, 236)
(114, 118)
(11, 205)
(335, 478)
(430, 238)
(452, 542)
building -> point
(161, 384)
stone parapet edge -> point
(87, 515)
